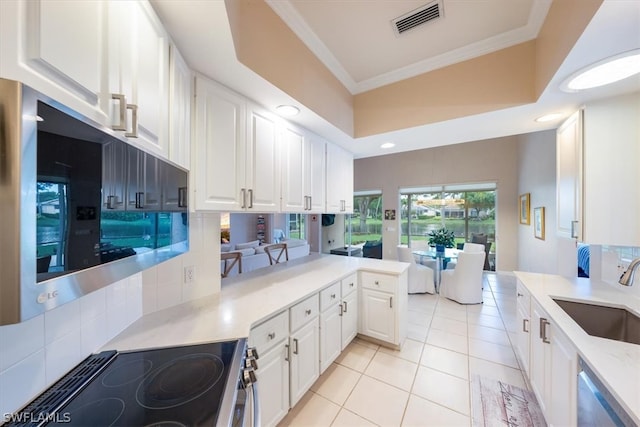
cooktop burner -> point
(177, 386)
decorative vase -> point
(440, 249)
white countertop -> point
(616, 363)
(244, 301)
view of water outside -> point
(366, 221)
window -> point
(296, 226)
(365, 224)
(465, 210)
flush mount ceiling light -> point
(287, 110)
(603, 72)
(388, 145)
(549, 117)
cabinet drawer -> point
(381, 282)
(304, 311)
(524, 298)
(349, 284)
(269, 333)
(330, 296)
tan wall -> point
(493, 160)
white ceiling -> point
(355, 41)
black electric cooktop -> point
(176, 386)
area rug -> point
(496, 403)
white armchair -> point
(468, 247)
(464, 283)
(421, 278)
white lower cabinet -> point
(273, 384)
(523, 327)
(349, 324)
(384, 307)
(305, 354)
(553, 369)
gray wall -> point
(492, 160)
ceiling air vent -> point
(419, 16)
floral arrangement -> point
(442, 237)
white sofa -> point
(254, 256)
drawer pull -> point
(307, 311)
(390, 302)
(341, 310)
(333, 296)
(520, 295)
(525, 323)
(286, 355)
(377, 283)
(351, 284)
(543, 330)
(295, 346)
(271, 335)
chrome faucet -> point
(627, 277)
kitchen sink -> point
(602, 321)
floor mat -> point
(496, 403)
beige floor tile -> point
(392, 370)
(447, 340)
(486, 368)
(336, 383)
(422, 302)
(377, 402)
(446, 361)
(312, 410)
(411, 351)
(497, 353)
(487, 310)
(485, 333)
(366, 343)
(444, 389)
(349, 419)
(450, 313)
(490, 321)
(421, 412)
(420, 318)
(457, 327)
(417, 332)
(356, 356)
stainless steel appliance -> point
(596, 406)
(209, 384)
(80, 207)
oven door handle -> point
(256, 404)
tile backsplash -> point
(614, 262)
(37, 352)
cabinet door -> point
(174, 188)
(294, 168)
(315, 176)
(273, 384)
(378, 318)
(143, 185)
(563, 376)
(540, 358)
(219, 149)
(330, 336)
(349, 318)
(569, 177)
(339, 180)
(56, 47)
(114, 175)
(523, 329)
(305, 354)
(180, 100)
(263, 164)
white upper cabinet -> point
(236, 154)
(611, 171)
(303, 171)
(339, 180)
(569, 177)
(56, 47)
(137, 98)
(180, 101)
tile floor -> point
(428, 382)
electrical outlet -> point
(189, 274)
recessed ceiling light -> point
(604, 72)
(388, 145)
(287, 110)
(549, 117)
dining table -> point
(442, 258)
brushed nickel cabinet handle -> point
(545, 338)
(271, 335)
(525, 323)
(286, 356)
(182, 197)
(341, 310)
(244, 198)
(134, 121)
(140, 200)
(345, 306)
(122, 112)
(390, 302)
(295, 346)
(307, 311)
(250, 198)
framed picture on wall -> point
(525, 217)
(538, 223)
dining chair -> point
(421, 278)
(230, 259)
(275, 253)
(464, 283)
(468, 247)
